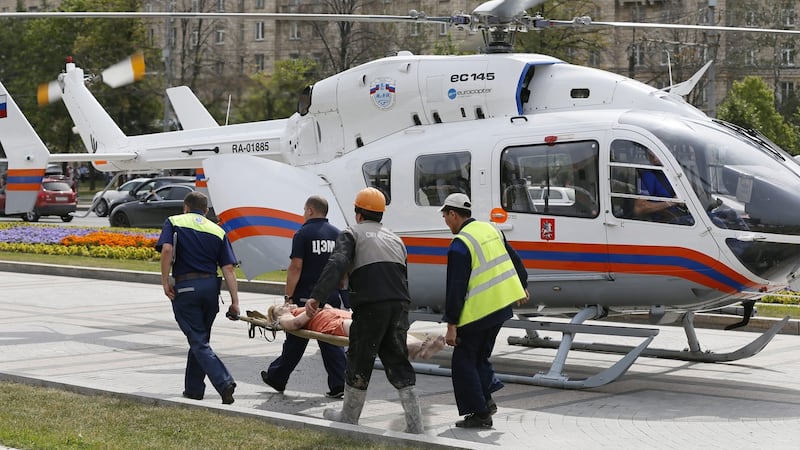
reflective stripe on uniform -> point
(493, 283)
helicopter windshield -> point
(743, 182)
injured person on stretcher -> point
(336, 322)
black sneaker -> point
(193, 396)
(475, 421)
(227, 394)
(269, 382)
(335, 393)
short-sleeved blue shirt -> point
(196, 250)
(313, 243)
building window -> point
(220, 33)
(219, 67)
(637, 54)
(294, 56)
(785, 90)
(750, 57)
(443, 29)
(750, 18)
(173, 37)
(195, 5)
(259, 31)
(787, 56)
(241, 64)
(147, 7)
(788, 17)
(194, 41)
(294, 31)
(594, 58)
(241, 32)
(259, 4)
(413, 29)
(260, 62)
(220, 5)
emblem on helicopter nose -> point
(382, 91)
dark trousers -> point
(379, 329)
(293, 348)
(195, 307)
(472, 373)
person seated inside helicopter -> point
(337, 322)
(654, 183)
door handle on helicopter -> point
(750, 237)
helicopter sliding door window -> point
(559, 179)
(378, 174)
(437, 176)
(640, 190)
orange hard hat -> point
(371, 199)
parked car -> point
(103, 200)
(152, 210)
(132, 190)
(558, 195)
(55, 198)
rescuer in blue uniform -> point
(485, 277)
(193, 247)
(375, 260)
(312, 244)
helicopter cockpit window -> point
(377, 174)
(640, 190)
(559, 179)
(437, 176)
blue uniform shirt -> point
(196, 251)
(313, 243)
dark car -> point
(133, 190)
(55, 198)
(152, 210)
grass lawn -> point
(44, 418)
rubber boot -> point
(351, 408)
(410, 402)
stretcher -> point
(260, 321)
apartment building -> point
(227, 51)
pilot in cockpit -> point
(654, 183)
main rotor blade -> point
(587, 21)
(219, 15)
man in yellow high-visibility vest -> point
(485, 277)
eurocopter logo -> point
(94, 143)
(382, 92)
(452, 93)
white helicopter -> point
(619, 197)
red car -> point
(55, 198)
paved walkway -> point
(120, 337)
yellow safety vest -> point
(493, 283)
(197, 222)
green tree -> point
(751, 104)
(274, 95)
(572, 44)
(94, 44)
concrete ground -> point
(119, 337)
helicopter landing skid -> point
(555, 377)
(693, 353)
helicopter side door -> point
(656, 236)
(550, 213)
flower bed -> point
(80, 241)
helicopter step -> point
(693, 353)
(555, 376)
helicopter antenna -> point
(228, 112)
(669, 68)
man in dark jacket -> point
(376, 260)
(485, 277)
